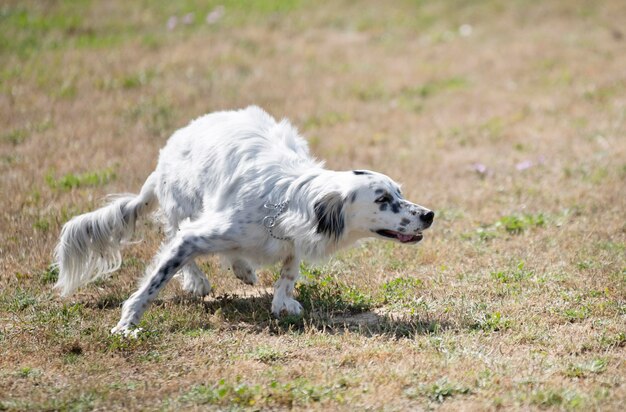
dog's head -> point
(371, 204)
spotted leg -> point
(192, 279)
(181, 250)
(283, 289)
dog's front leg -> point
(283, 289)
(181, 251)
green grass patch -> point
(577, 314)
(18, 300)
(582, 370)
(130, 344)
(63, 316)
(28, 372)
(325, 293)
(15, 136)
(610, 341)
(81, 402)
(553, 398)
(240, 394)
(325, 120)
(439, 391)
(514, 224)
(491, 322)
(21, 134)
(50, 275)
(434, 87)
(73, 181)
(517, 275)
(267, 354)
(401, 290)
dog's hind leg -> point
(188, 243)
(244, 272)
(192, 279)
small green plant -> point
(516, 224)
(325, 120)
(27, 372)
(327, 294)
(581, 370)
(436, 86)
(137, 80)
(371, 92)
(485, 234)
(577, 314)
(223, 392)
(546, 398)
(617, 340)
(401, 288)
(50, 275)
(15, 137)
(152, 356)
(267, 354)
(19, 300)
(492, 322)
(516, 275)
(443, 389)
(42, 224)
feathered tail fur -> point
(89, 245)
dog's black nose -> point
(427, 217)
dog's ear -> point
(329, 213)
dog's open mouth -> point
(402, 237)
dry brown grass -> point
(515, 299)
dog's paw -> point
(127, 331)
(244, 272)
(288, 306)
(196, 285)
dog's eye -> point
(384, 198)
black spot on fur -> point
(353, 197)
(401, 229)
(161, 280)
(383, 207)
(395, 207)
(404, 221)
(329, 213)
(174, 264)
(361, 172)
(379, 191)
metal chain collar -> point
(270, 221)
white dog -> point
(238, 184)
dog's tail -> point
(89, 245)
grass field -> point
(506, 117)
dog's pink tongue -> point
(404, 238)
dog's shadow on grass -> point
(253, 313)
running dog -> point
(244, 186)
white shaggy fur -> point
(215, 183)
